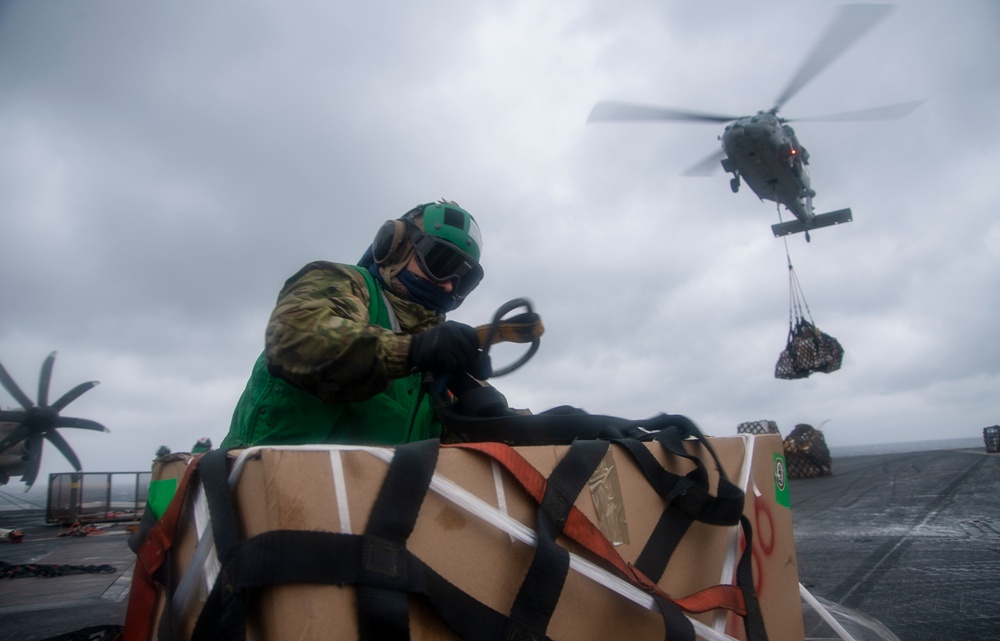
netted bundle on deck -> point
(806, 453)
(758, 427)
(809, 350)
(991, 435)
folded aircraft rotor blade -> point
(82, 423)
(34, 459)
(886, 112)
(852, 22)
(56, 439)
(72, 395)
(20, 433)
(706, 166)
(613, 111)
(45, 378)
(13, 389)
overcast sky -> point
(166, 165)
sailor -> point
(203, 445)
(347, 347)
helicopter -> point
(23, 432)
(762, 149)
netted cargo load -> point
(758, 427)
(991, 436)
(806, 453)
(809, 350)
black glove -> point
(450, 347)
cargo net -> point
(991, 436)
(806, 453)
(758, 428)
(808, 350)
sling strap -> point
(152, 555)
(687, 500)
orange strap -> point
(583, 531)
(144, 598)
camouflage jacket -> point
(320, 338)
(333, 370)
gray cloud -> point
(163, 169)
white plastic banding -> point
(824, 613)
(501, 494)
(340, 491)
(733, 543)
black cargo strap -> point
(753, 622)
(539, 593)
(331, 558)
(382, 609)
(557, 426)
(687, 497)
(377, 562)
(381, 562)
(385, 572)
(688, 500)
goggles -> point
(442, 261)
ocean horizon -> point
(13, 497)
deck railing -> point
(95, 497)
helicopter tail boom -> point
(813, 222)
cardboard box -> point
(333, 489)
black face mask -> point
(428, 294)
(422, 292)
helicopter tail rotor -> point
(37, 423)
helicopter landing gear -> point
(734, 184)
(808, 239)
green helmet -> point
(448, 221)
(448, 247)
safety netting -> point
(806, 453)
(991, 436)
(758, 427)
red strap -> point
(144, 598)
(583, 531)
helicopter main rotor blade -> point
(56, 439)
(82, 423)
(15, 391)
(610, 111)
(45, 378)
(852, 22)
(887, 112)
(707, 166)
(72, 395)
